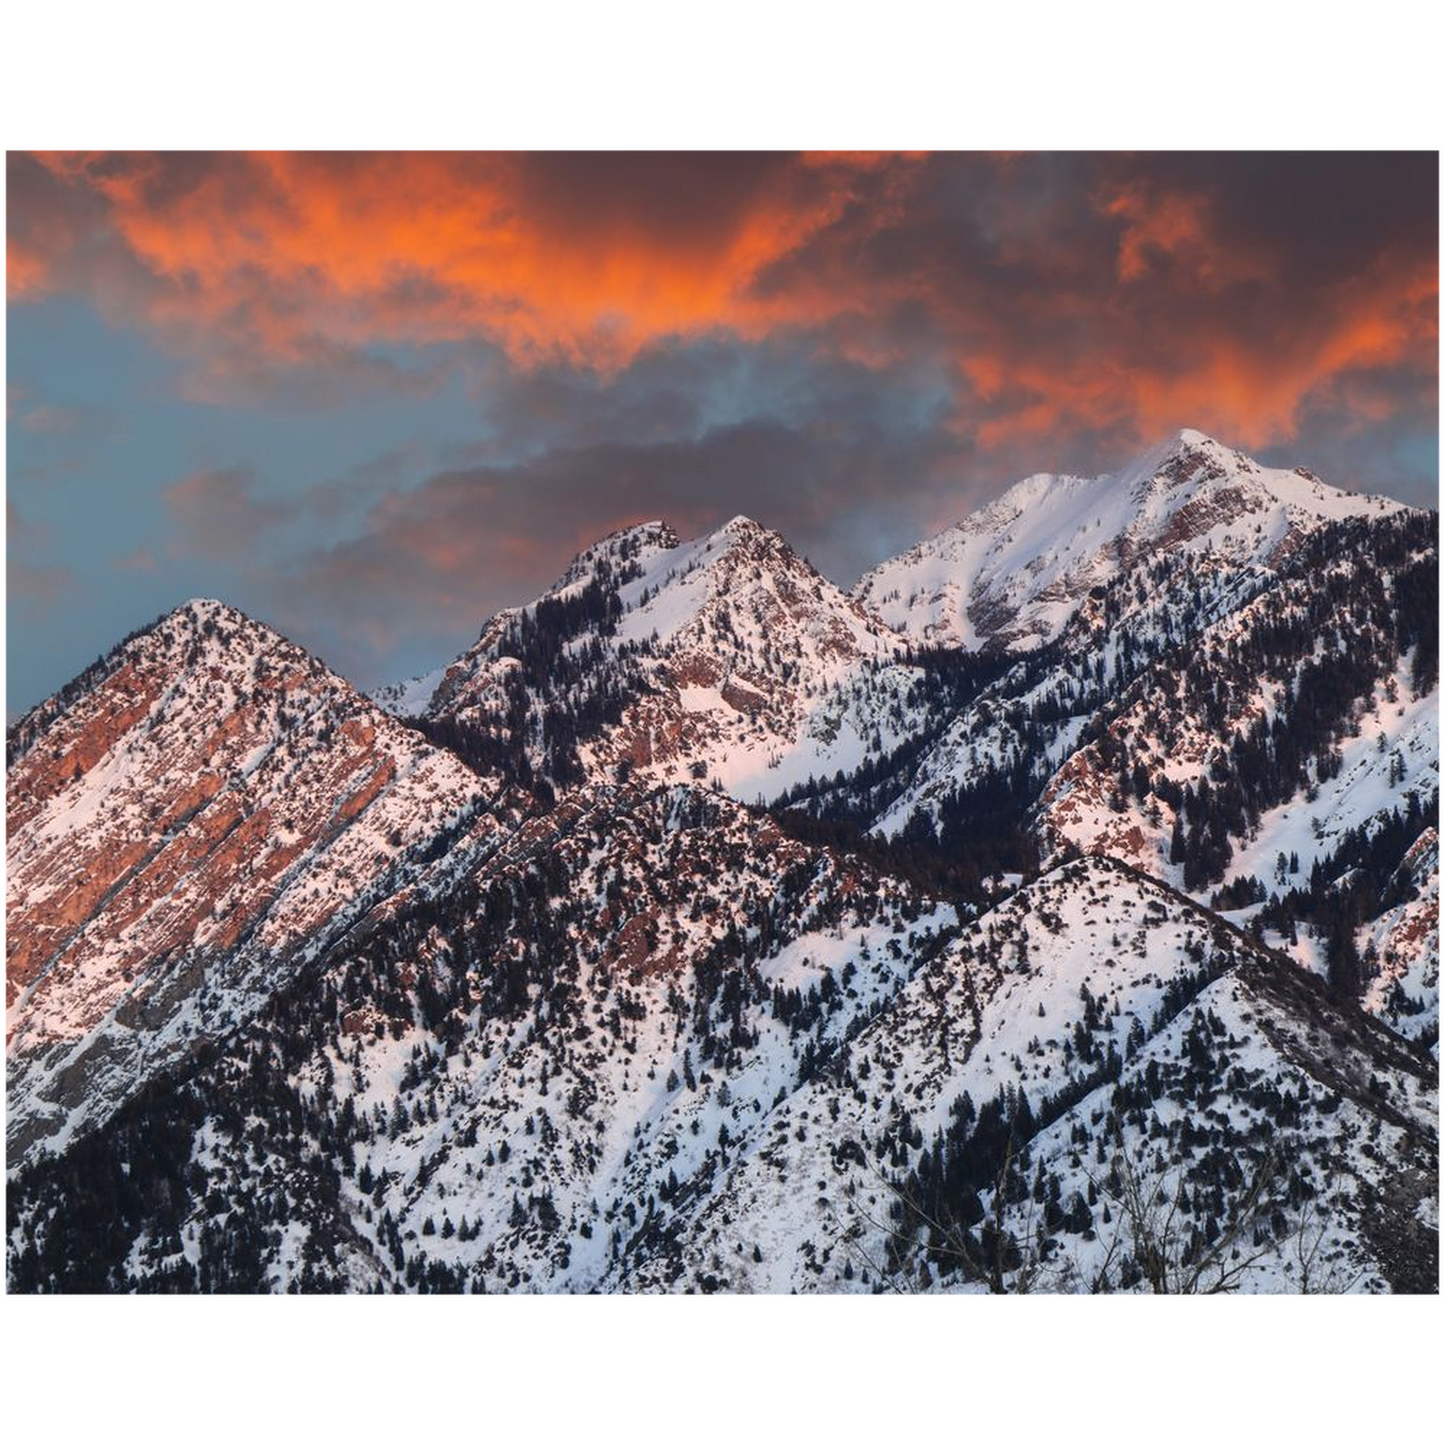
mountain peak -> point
(623, 539)
(207, 791)
(1015, 571)
(655, 531)
(1188, 436)
(1183, 455)
(202, 614)
(200, 605)
(705, 658)
(741, 526)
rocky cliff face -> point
(715, 659)
(206, 808)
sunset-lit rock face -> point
(715, 659)
(184, 823)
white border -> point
(1043, 74)
(750, 75)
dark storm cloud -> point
(1331, 214)
(673, 197)
(1113, 298)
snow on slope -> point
(1300, 1104)
(536, 1059)
(182, 827)
(1015, 572)
(1148, 611)
(691, 1088)
(727, 658)
(1184, 720)
(1089, 975)
(1396, 752)
(410, 697)
(1180, 659)
(1404, 943)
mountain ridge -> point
(212, 793)
(1013, 572)
(705, 931)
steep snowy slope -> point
(1219, 724)
(727, 658)
(409, 698)
(504, 1078)
(202, 807)
(1014, 573)
(734, 1062)
(1094, 1043)
(1260, 707)
(1176, 657)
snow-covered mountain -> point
(781, 1073)
(1027, 1114)
(1059, 911)
(1017, 571)
(1244, 727)
(186, 821)
(409, 697)
(726, 659)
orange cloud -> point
(1064, 291)
(1248, 386)
(1254, 390)
(439, 247)
(24, 272)
(1175, 226)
